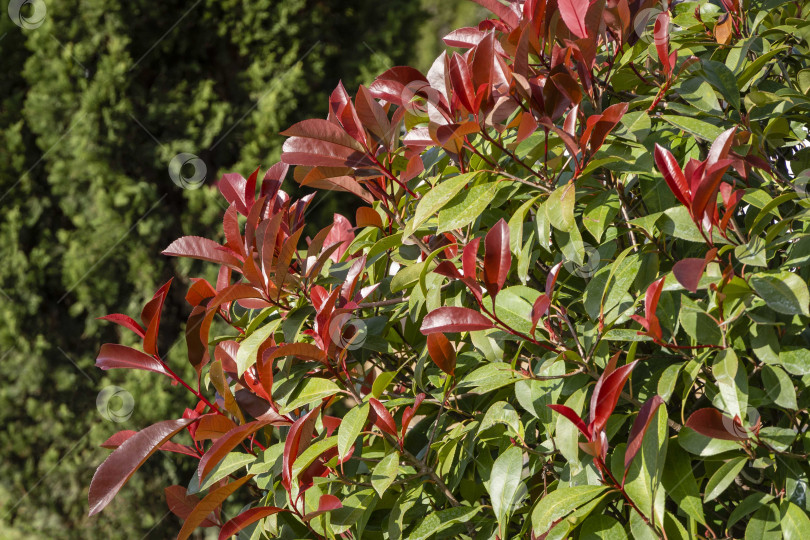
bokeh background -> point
(96, 98)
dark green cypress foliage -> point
(94, 104)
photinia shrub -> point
(573, 302)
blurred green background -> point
(96, 98)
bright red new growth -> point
(497, 258)
(442, 352)
(712, 423)
(450, 319)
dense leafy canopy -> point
(574, 303)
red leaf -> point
(127, 458)
(181, 504)
(233, 187)
(573, 15)
(409, 412)
(326, 503)
(539, 309)
(689, 271)
(202, 248)
(373, 116)
(246, 518)
(598, 127)
(466, 38)
(210, 502)
(712, 423)
(454, 319)
(569, 413)
(213, 426)
(368, 217)
(113, 356)
(551, 279)
(322, 130)
(640, 426)
(223, 445)
(342, 109)
(673, 175)
(468, 259)
(661, 38)
(505, 13)
(442, 352)
(340, 232)
(298, 439)
(650, 320)
(497, 258)
(199, 291)
(448, 269)
(720, 147)
(604, 401)
(461, 80)
(382, 418)
(312, 152)
(150, 317)
(124, 320)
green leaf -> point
(764, 524)
(313, 390)
(560, 207)
(559, 503)
(795, 523)
(720, 77)
(385, 472)
(602, 527)
(312, 453)
(516, 224)
(249, 348)
(489, 377)
(784, 292)
(567, 435)
(695, 443)
(600, 212)
(513, 305)
(732, 380)
(693, 126)
(796, 360)
(535, 396)
(753, 253)
(505, 487)
(779, 387)
(723, 478)
(502, 413)
(354, 506)
(407, 276)
(229, 464)
(678, 223)
(780, 439)
(679, 481)
(350, 428)
(644, 473)
(381, 383)
(748, 505)
(436, 198)
(466, 207)
(442, 520)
